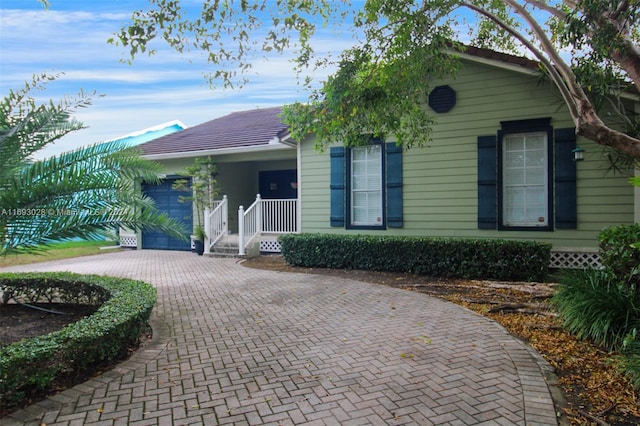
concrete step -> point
(226, 247)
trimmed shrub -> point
(29, 367)
(449, 258)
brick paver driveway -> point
(235, 345)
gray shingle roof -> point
(239, 129)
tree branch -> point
(622, 6)
(551, 69)
(547, 8)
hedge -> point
(438, 257)
(620, 252)
(29, 367)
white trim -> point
(498, 63)
(221, 151)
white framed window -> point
(525, 185)
(366, 197)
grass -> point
(63, 250)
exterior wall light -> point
(578, 154)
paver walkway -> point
(235, 345)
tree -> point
(404, 45)
(203, 187)
(75, 194)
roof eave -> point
(220, 151)
(497, 63)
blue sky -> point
(71, 38)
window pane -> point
(525, 179)
(366, 185)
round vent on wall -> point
(442, 99)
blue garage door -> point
(166, 200)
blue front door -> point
(166, 200)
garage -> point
(167, 201)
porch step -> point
(226, 247)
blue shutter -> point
(564, 179)
(394, 185)
(487, 182)
(337, 185)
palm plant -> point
(80, 193)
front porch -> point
(259, 226)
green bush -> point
(29, 367)
(595, 305)
(450, 258)
(631, 359)
(620, 252)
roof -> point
(506, 58)
(252, 128)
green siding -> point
(440, 182)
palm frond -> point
(80, 193)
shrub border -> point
(507, 260)
(30, 367)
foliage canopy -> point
(401, 46)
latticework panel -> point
(574, 260)
(128, 240)
(268, 246)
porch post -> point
(207, 229)
(241, 231)
(258, 215)
(225, 215)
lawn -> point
(57, 251)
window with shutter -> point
(366, 186)
(526, 177)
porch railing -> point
(248, 224)
(279, 216)
(216, 223)
(266, 216)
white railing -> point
(266, 216)
(249, 224)
(280, 216)
(216, 222)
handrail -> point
(249, 222)
(216, 222)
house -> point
(501, 165)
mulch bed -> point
(19, 322)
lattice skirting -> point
(128, 240)
(574, 259)
(268, 246)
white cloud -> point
(153, 90)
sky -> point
(71, 38)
